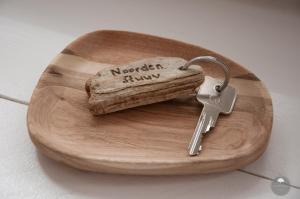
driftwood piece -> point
(142, 82)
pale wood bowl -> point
(150, 140)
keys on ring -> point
(216, 97)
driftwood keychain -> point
(158, 79)
(140, 83)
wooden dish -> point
(149, 140)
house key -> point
(214, 103)
(216, 97)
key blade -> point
(206, 120)
(194, 146)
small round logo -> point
(280, 186)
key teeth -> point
(211, 124)
(195, 153)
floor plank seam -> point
(265, 177)
(13, 99)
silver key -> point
(214, 103)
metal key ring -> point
(225, 68)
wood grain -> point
(143, 82)
(152, 139)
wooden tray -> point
(152, 139)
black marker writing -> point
(129, 78)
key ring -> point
(225, 68)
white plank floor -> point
(263, 36)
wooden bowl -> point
(148, 140)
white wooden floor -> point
(261, 35)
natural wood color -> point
(143, 82)
(150, 139)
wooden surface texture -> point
(150, 139)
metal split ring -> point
(225, 68)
